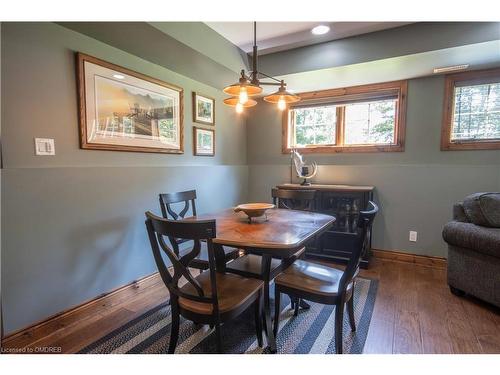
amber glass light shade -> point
(283, 95)
(234, 101)
(236, 88)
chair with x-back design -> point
(209, 298)
(187, 201)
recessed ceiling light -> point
(118, 76)
(320, 30)
(450, 68)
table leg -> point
(266, 271)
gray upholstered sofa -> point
(473, 239)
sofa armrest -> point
(474, 237)
(459, 213)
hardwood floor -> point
(414, 313)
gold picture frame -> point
(203, 109)
(123, 110)
(203, 141)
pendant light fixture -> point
(250, 85)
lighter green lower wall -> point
(411, 197)
(74, 233)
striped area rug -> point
(312, 331)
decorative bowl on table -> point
(253, 210)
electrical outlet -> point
(413, 236)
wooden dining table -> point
(279, 234)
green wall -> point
(73, 223)
(415, 188)
(401, 41)
(211, 45)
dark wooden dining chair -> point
(294, 199)
(324, 284)
(187, 202)
(209, 298)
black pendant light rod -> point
(255, 79)
(255, 72)
(277, 83)
(249, 85)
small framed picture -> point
(203, 109)
(203, 141)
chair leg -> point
(277, 308)
(174, 330)
(296, 307)
(339, 320)
(258, 319)
(350, 309)
(218, 337)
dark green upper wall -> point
(39, 100)
(423, 135)
(207, 41)
(190, 50)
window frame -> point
(451, 80)
(373, 92)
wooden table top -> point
(282, 233)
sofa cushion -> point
(467, 235)
(483, 209)
(459, 213)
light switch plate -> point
(413, 236)
(44, 146)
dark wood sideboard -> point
(344, 202)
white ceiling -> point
(279, 36)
